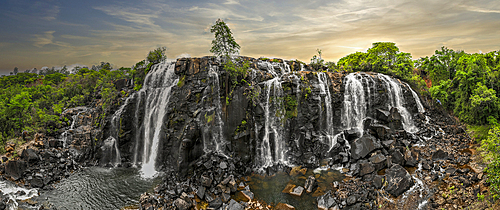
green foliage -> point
(34, 102)
(440, 92)
(157, 55)
(224, 44)
(317, 63)
(382, 57)
(236, 69)
(181, 81)
(491, 148)
(291, 106)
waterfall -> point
(66, 135)
(396, 99)
(157, 86)
(417, 99)
(273, 130)
(216, 142)
(354, 105)
(325, 93)
(138, 133)
(110, 152)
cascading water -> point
(139, 95)
(216, 142)
(15, 194)
(325, 93)
(66, 135)
(157, 86)
(396, 99)
(272, 148)
(273, 125)
(420, 107)
(354, 105)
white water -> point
(420, 107)
(396, 99)
(325, 93)
(111, 145)
(138, 133)
(274, 111)
(354, 105)
(10, 190)
(157, 85)
(217, 141)
(66, 135)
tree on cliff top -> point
(224, 43)
(157, 55)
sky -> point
(35, 34)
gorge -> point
(209, 131)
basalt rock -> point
(15, 169)
(398, 180)
(363, 146)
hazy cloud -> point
(41, 40)
(124, 32)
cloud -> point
(231, 2)
(41, 40)
(51, 13)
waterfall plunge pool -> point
(99, 188)
(268, 189)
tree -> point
(157, 55)
(16, 70)
(317, 62)
(224, 44)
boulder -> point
(200, 192)
(367, 122)
(379, 130)
(37, 181)
(351, 134)
(351, 200)
(233, 205)
(326, 201)
(378, 181)
(310, 184)
(397, 157)
(379, 161)
(216, 203)
(398, 180)
(249, 195)
(56, 143)
(182, 204)
(284, 206)
(439, 155)
(297, 191)
(363, 146)
(29, 155)
(383, 115)
(15, 169)
(410, 158)
(366, 168)
(206, 181)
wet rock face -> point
(398, 180)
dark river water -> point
(269, 188)
(99, 188)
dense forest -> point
(465, 85)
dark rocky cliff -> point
(190, 124)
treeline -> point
(33, 102)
